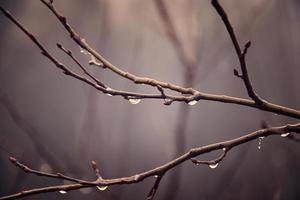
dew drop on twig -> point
(62, 191)
(102, 188)
(134, 101)
(213, 165)
(285, 134)
(108, 94)
(83, 51)
(260, 142)
(191, 103)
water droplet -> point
(191, 103)
(83, 51)
(108, 89)
(134, 101)
(285, 134)
(260, 142)
(224, 149)
(213, 166)
(62, 191)
(102, 188)
(156, 176)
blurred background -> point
(54, 123)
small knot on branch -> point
(246, 47)
(94, 62)
(236, 73)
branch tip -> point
(13, 159)
(94, 164)
(248, 44)
(236, 73)
(59, 45)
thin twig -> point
(96, 169)
(194, 94)
(241, 55)
(26, 169)
(154, 189)
(211, 162)
(256, 102)
(229, 144)
(69, 72)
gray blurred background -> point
(55, 123)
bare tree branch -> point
(192, 153)
(155, 187)
(241, 55)
(213, 162)
(69, 53)
(193, 95)
(40, 173)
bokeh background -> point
(55, 123)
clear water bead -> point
(213, 166)
(134, 101)
(83, 51)
(102, 188)
(260, 142)
(191, 103)
(285, 134)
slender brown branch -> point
(69, 72)
(96, 169)
(241, 55)
(84, 45)
(69, 53)
(194, 94)
(154, 189)
(26, 169)
(161, 90)
(211, 162)
(229, 144)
